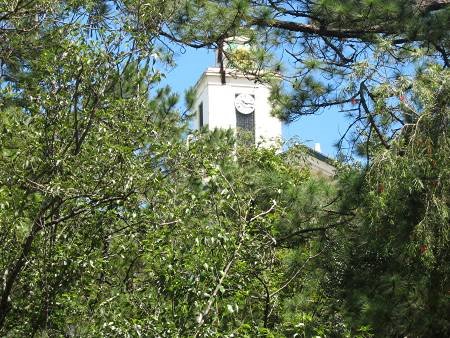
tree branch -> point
(424, 6)
(306, 230)
(286, 284)
(372, 122)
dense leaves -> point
(390, 268)
(114, 223)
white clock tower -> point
(228, 99)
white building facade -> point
(239, 103)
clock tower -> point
(227, 99)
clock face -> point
(245, 103)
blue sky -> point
(324, 129)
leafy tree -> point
(385, 65)
(113, 225)
(83, 137)
(378, 62)
(391, 271)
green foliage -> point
(112, 224)
(390, 270)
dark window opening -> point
(200, 115)
(245, 124)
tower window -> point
(200, 115)
(245, 121)
(245, 124)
